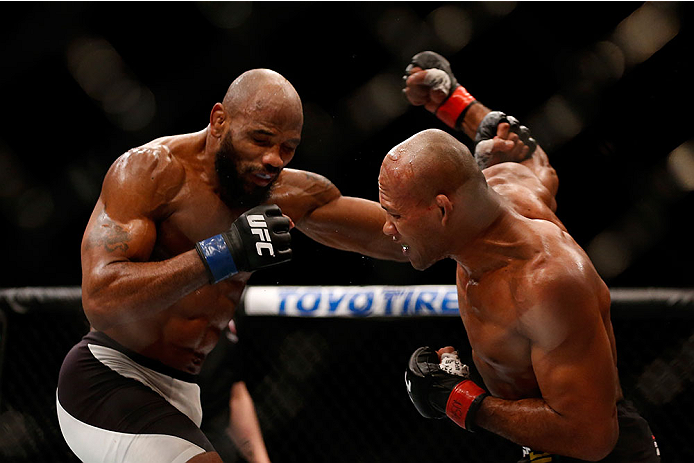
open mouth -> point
(261, 178)
(405, 247)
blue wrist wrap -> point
(217, 257)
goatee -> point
(236, 193)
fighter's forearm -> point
(472, 119)
(124, 291)
(244, 429)
(352, 224)
(533, 423)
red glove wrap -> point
(464, 400)
(451, 109)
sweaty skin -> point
(144, 284)
(536, 312)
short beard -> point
(233, 191)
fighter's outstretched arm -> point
(321, 212)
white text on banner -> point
(351, 301)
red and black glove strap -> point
(453, 110)
(463, 402)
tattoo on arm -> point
(112, 237)
(116, 238)
(318, 179)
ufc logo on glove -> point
(259, 227)
(257, 239)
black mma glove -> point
(258, 238)
(487, 130)
(439, 389)
(440, 77)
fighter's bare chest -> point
(193, 216)
(489, 311)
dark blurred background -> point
(605, 87)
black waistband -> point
(101, 339)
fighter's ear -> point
(218, 118)
(445, 208)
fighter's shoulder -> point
(302, 179)
(298, 192)
(560, 274)
(152, 165)
(553, 303)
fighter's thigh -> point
(92, 444)
(107, 417)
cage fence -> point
(325, 367)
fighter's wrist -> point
(453, 110)
(463, 402)
(216, 256)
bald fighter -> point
(536, 312)
(180, 225)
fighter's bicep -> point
(109, 240)
(571, 356)
(576, 378)
(134, 195)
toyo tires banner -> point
(351, 301)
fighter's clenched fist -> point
(258, 238)
(430, 83)
(441, 387)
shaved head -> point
(429, 163)
(259, 89)
(435, 197)
(260, 121)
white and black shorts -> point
(115, 405)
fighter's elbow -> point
(95, 309)
(98, 302)
(598, 441)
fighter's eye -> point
(261, 141)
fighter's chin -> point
(420, 267)
(426, 259)
(420, 264)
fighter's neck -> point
(505, 241)
(196, 150)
